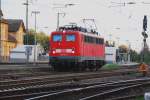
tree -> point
(135, 57)
(41, 37)
(146, 53)
(43, 40)
(123, 49)
(30, 37)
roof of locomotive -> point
(81, 30)
(77, 28)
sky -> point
(114, 18)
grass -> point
(116, 66)
(139, 98)
(110, 66)
(134, 74)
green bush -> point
(111, 66)
(139, 98)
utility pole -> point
(27, 13)
(58, 14)
(58, 18)
(27, 20)
(128, 52)
(0, 34)
(85, 21)
(118, 53)
(118, 41)
(57, 21)
(35, 43)
(110, 37)
(27, 30)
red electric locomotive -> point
(76, 48)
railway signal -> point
(145, 23)
(145, 35)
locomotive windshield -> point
(57, 38)
(70, 37)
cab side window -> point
(70, 37)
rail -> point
(102, 91)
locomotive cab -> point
(64, 44)
(75, 48)
(64, 50)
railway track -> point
(19, 95)
(17, 76)
(53, 83)
(120, 90)
(42, 90)
(11, 73)
(7, 74)
(122, 93)
(27, 89)
(47, 79)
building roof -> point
(14, 25)
(11, 38)
(1, 13)
(3, 21)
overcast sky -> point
(119, 20)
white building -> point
(19, 54)
(110, 54)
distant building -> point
(12, 31)
(18, 54)
(110, 52)
(16, 30)
(1, 13)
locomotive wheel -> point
(82, 67)
(56, 68)
(67, 67)
(91, 66)
(75, 67)
(97, 66)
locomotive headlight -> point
(53, 51)
(73, 50)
